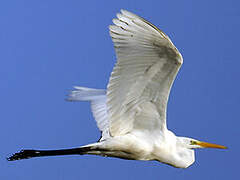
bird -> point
(131, 112)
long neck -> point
(171, 150)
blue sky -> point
(49, 46)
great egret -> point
(131, 113)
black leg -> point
(29, 153)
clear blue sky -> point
(48, 46)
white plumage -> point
(131, 113)
(98, 100)
(138, 86)
(147, 65)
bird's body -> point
(145, 146)
(131, 113)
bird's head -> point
(191, 143)
(184, 155)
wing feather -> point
(98, 100)
(139, 86)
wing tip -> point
(128, 13)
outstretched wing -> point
(139, 86)
(98, 99)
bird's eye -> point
(193, 142)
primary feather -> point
(147, 63)
(98, 100)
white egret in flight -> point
(131, 113)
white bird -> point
(131, 113)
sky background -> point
(48, 46)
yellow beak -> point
(210, 145)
